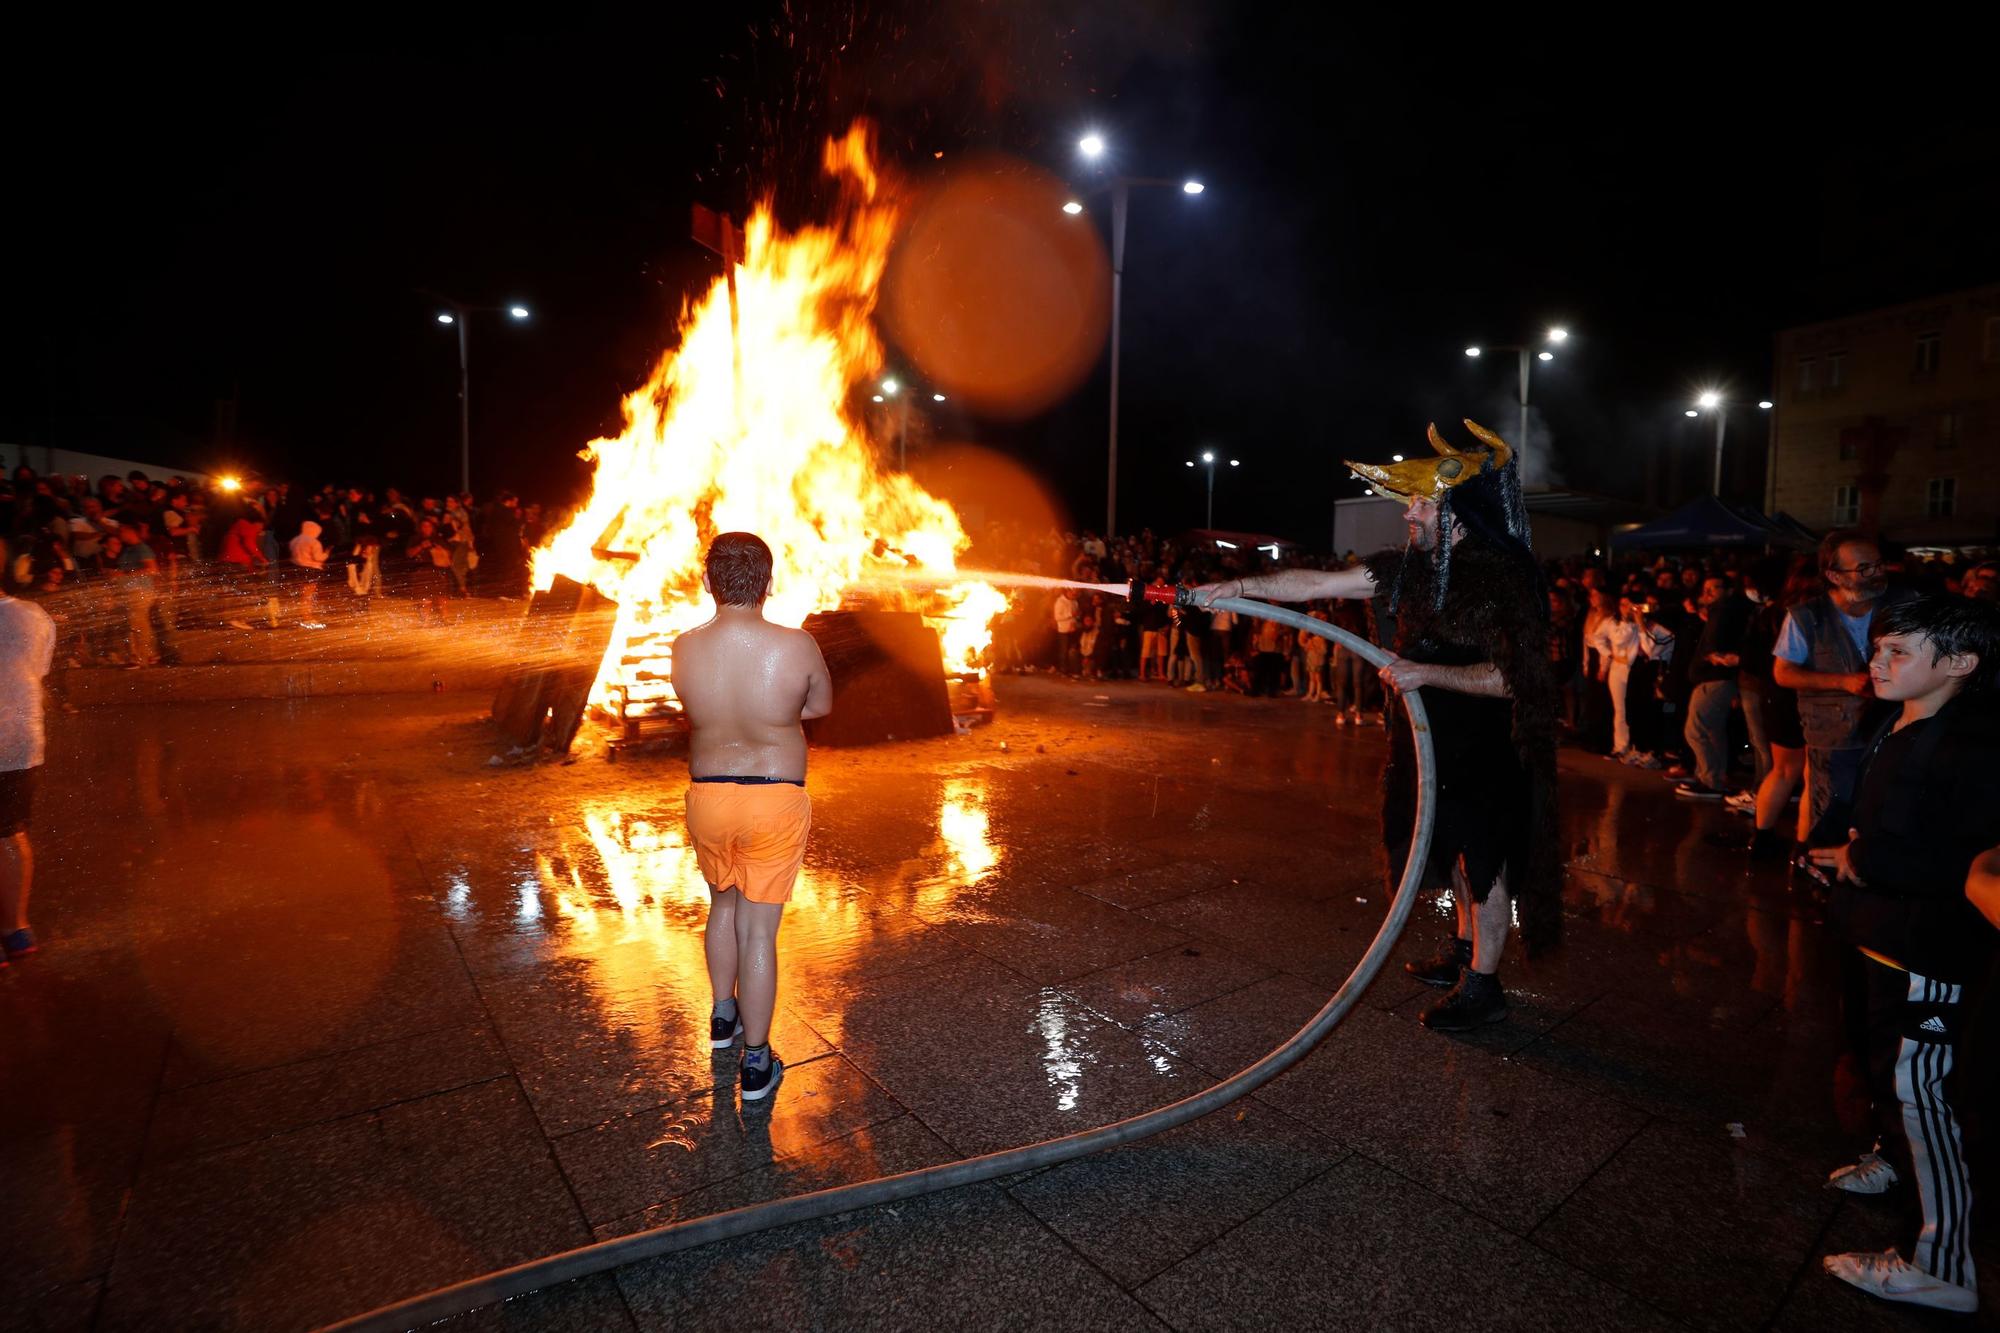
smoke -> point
(1541, 463)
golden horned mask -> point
(1428, 478)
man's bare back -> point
(747, 685)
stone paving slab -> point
(1360, 1247)
(1708, 1232)
(296, 1230)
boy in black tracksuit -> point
(1927, 805)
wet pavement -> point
(332, 1012)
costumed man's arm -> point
(1480, 678)
(1293, 585)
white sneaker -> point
(1744, 802)
(1891, 1277)
(1870, 1175)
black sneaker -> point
(723, 1032)
(760, 1080)
(1474, 1002)
(1442, 968)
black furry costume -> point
(1496, 758)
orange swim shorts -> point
(750, 836)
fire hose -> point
(554, 1269)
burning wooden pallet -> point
(564, 635)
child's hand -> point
(1840, 860)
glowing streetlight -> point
(1395, 458)
(1120, 188)
(892, 387)
(230, 484)
(1711, 400)
(1091, 145)
(1208, 462)
(460, 313)
(1527, 355)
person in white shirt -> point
(1620, 641)
(27, 644)
(1066, 633)
(309, 554)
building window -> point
(1947, 430)
(1848, 450)
(1942, 497)
(1926, 363)
(1836, 372)
(1846, 506)
(1808, 374)
(1992, 349)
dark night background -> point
(192, 222)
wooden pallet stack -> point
(564, 634)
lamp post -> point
(1092, 146)
(891, 387)
(459, 313)
(1208, 461)
(1528, 355)
(1711, 401)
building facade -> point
(1888, 421)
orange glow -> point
(754, 425)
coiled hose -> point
(586, 1260)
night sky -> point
(192, 222)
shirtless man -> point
(747, 685)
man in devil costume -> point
(1471, 630)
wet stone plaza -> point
(331, 1012)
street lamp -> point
(1710, 400)
(891, 387)
(1552, 337)
(459, 313)
(1092, 146)
(1208, 461)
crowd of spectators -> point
(1664, 659)
(124, 563)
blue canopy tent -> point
(1712, 522)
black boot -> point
(1474, 1002)
(1442, 969)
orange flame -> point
(749, 426)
